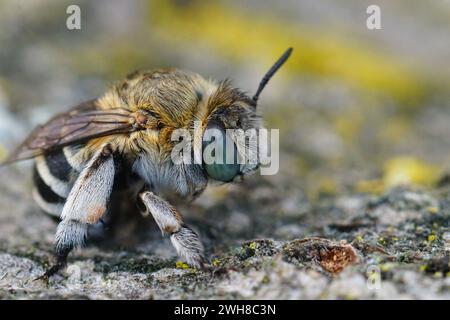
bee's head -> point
(230, 138)
(228, 144)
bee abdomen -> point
(45, 197)
(53, 179)
(58, 166)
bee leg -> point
(85, 205)
(186, 242)
(61, 262)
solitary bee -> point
(123, 140)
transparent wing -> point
(79, 124)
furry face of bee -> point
(123, 140)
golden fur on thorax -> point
(170, 99)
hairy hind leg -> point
(85, 205)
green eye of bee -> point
(222, 172)
(220, 157)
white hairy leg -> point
(186, 242)
(85, 205)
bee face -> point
(231, 111)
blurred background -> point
(358, 110)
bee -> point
(122, 140)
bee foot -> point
(46, 276)
(43, 278)
(188, 246)
(60, 264)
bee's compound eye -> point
(220, 154)
(222, 172)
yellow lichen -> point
(327, 185)
(253, 245)
(385, 267)
(265, 280)
(375, 186)
(382, 241)
(409, 171)
(216, 262)
(181, 265)
(400, 171)
(433, 210)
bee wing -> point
(81, 123)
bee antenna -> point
(277, 65)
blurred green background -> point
(358, 110)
